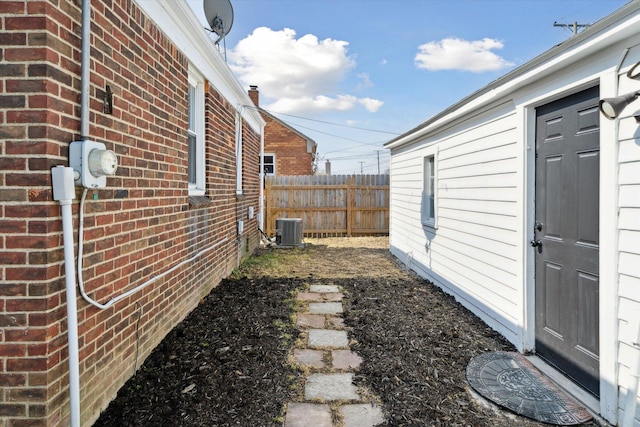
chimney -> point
(254, 95)
(327, 167)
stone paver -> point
(336, 322)
(361, 415)
(320, 296)
(310, 296)
(323, 288)
(327, 338)
(330, 387)
(308, 357)
(308, 415)
(345, 359)
(325, 307)
(326, 382)
(333, 296)
(310, 320)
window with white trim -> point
(195, 149)
(269, 164)
(238, 153)
(429, 191)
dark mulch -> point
(416, 342)
(224, 365)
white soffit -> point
(176, 19)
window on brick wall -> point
(195, 169)
(269, 164)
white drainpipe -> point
(64, 192)
(85, 70)
(632, 390)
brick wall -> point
(289, 147)
(140, 226)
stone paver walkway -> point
(329, 393)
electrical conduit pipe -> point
(64, 192)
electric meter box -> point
(92, 163)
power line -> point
(333, 135)
(334, 124)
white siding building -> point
(530, 160)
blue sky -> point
(352, 74)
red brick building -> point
(286, 150)
(170, 224)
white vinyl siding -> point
(628, 251)
(477, 240)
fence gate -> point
(329, 205)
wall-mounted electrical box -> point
(250, 212)
(92, 163)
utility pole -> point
(574, 27)
(361, 170)
(378, 152)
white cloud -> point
(319, 103)
(299, 74)
(458, 54)
(365, 81)
(372, 105)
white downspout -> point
(632, 390)
(85, 72)
(64, 192)
(261, 221)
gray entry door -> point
(566, 236)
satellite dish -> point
(219, 15)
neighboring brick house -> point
(168, 223)
(286, 150)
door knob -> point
(535, 243)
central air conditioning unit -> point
(289, 232)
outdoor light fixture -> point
(612, 107)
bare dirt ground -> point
(227, 364)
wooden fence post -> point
(349, 205)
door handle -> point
(536, 243)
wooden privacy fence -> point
(329, 205)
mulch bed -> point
(226, 364)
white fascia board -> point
(550, 62)
(176, 19)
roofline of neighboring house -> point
(179, 23)
(596, 37)
(310, 141)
